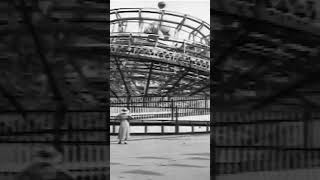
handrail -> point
(163, 38)
(201, 28)
(154, 10)
(259, 11)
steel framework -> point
(53, 83)
(266, 96)
(158, 53)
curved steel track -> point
(155, 48)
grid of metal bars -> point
(84, 140)
(167, 115)
(265, 141)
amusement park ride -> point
(265, 85)
(53, 84)
(265, 52)
(159, 68)
(155, 52)
(54, 81)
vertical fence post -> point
(172, 110)
(306, 134)
(205, 102)
(176, 120)
(128, 102)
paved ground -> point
(161, 157)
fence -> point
(266, 141)
(163, 115)
(83, 139)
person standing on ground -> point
(124, 130)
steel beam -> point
(58, 97)
(13, 101)
(310, 78)
(177, 82)
(148, 80)
(122, 76)
(234, 44)
(200, 90)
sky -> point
(197, 8)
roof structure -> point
(60, 60)
(53, 55)
(158, 53)
(266, 55)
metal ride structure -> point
(157, 52)
(157, 56)
(53, 85)
(265, 85)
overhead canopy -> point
(262, 61)
(53, 55)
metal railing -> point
(195, 29)
(84, 141)
(265, 141)
(158, 115)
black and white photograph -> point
(148, 90)
(266, 89)
(53, 116)
(159, 89)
